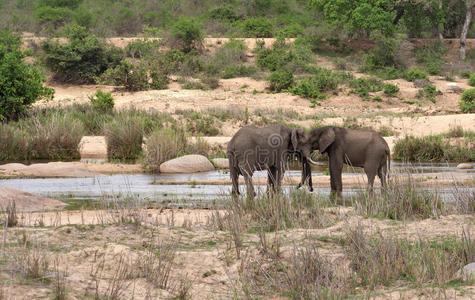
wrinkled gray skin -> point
(266, 148)
(357, 148)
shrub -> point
(471, 80)
(431, 92)
(467, 101)
(430, 56)
(124, 136)
(383, 54)
(54, 136)
(465, 74)
(57, 16)
(211, 82)
(274, 59)
(281, 80)
(362, 86)
(187, 34)
(307, 88)
(137, 77)
(198, 124)
(162, 145)
(102, 101)
(233, 71)
(223, 13)
(391, 89)
(257, 28)
(430, 148)
(82, 59)
(141, 48)
(415, 74)
(21, 84)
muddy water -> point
(154, 188)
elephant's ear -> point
(296, 134)
(326, 139)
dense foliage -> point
(21, 84)
(82, 58)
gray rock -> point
(421, 83)
(187, 164)
(467, 272)
(455, 89)
(465, 166)
(221, 163)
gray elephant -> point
(266, 148)
(357, 148)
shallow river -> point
(153, 188)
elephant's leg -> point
(336, 167)
(308, 174)
(279, 175)
(250, 188)
(235, 181)
(370, 171)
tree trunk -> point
(463, 36)
(441, 37)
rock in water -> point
(464, 166)
(221, 163)
(187, 164)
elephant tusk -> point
(311, 161)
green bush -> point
(124, 136)
(391, 89)
(411, 148)
(233, 71)
(383, 54)
(50, 136)
(142, 76)
(257, 28)
(467, 101)
(415, 74)
(162, 145)
(187, 34)
(56, 16)
(198, 124)
(142, 48)
(82, 59)
(21, 84)
(223, 13)
(471, 80)
(465, 74)
(431, 92)
(308, 88)
(430, 56)
(362, 86)
(211, 82)
(102, 101)
(281, 80)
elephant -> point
(265, 148)
(357, 148)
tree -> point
(21, 84)
(361, 17)
(469, 4)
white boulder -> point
(187, 164)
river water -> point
(154, 188)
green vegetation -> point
(82, 59)
(21, 84)
(414, 74)
(186, 35)
(429, 92)
(467, 101)
(102, 101)
(433, 148)
(471, 80)
(430, 57)
(281, 80)
(363, 86)
(390, 89)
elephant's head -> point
(298, 139)
(318, 139)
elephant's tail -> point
(388, 164)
